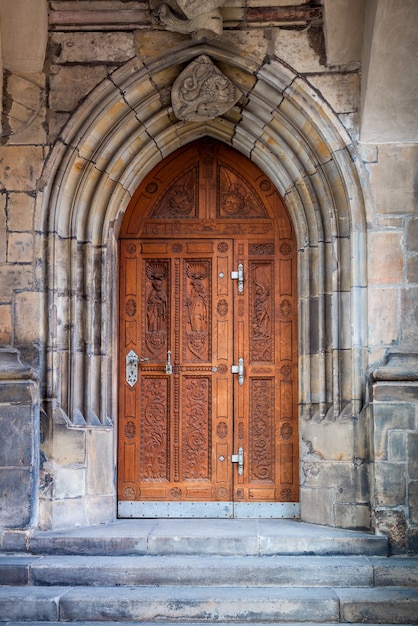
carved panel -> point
(196, 436)
(155, 317)
(261, 430)
(180, 201)
(235, 198)
(196, 307)
(261, 311)
(154, 438)
(261, 249)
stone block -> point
(409, 315)
(20, 208)
(413, 502)
(20, 167)
(378, 606)
(352, 516)
(396, 392)
(387, 418)
(390, 484)
(67, 513)
(397, 446)
(330, 440)
(69, 446)
(251, 43)
(393, 179)
(341, 91)
(30, 604)
(150, 43)
(393, 524)
(16, 485)
(3, 230)
(69, 85)
(310, 511)
(28, 316)
(351, 481)
(100, 462)
(16, 435)
(5, 324)
(20, 248)
(69, 482)
(94, 47)
(412, 270)
(413, 455)
(383, 315)
(386, 259)
(293, 47)
(26, 116)
(101, 509)
(412, 235)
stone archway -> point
(120, 133)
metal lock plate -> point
(131, 368)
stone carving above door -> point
(202, 92)
(202, 20)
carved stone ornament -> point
(202, 92)
(203, 20)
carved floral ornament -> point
(202, 92)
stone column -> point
(395, 445)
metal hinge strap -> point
(239, 276)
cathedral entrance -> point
(207, 342)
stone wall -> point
(81, 130)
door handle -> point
(239, 458)
(239, 369)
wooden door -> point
(208, 345)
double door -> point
(207, 376)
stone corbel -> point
(202, 20)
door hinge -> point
(239, 276)
(239, 369)
(239, 458)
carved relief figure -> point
(200, 19)
(180, 199)
(197, 303)
(156, 308)
(235, 199)
(202, 91)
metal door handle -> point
(239, 458)
(239, 369)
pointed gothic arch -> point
(119, 134)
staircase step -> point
(220, 537)
(209, 604)
(182, 571)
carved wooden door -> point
(208, 343)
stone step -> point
(209, 604)
(195, 537)
(275, 571)
(124, 623)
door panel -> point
(190, 430)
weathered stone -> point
(20, 208)
(393, 524)
(94, 47)
(413, 501)
(409, 312)
(388, 417)
(353, 516)
(69, 482)
(397, 446)
(386, 263)
(413, 455)
(412, 270)
(383, 315)
(20, 167)
(294, 48)
(100, 476)
(28, 316)
(5, 324)
(390, 483)
(69, 85)
(341, 91)
(20, 248)
(393, 184)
